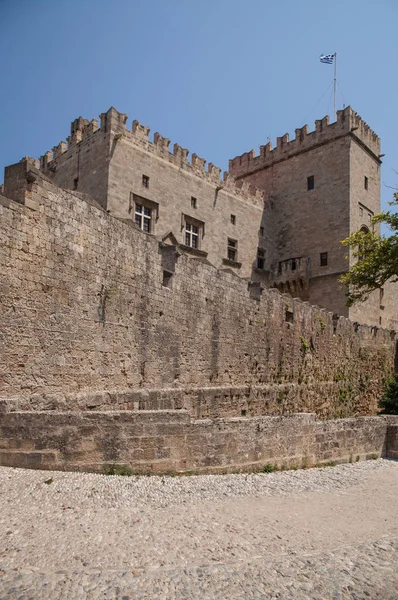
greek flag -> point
(327, 58)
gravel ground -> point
(321, 534)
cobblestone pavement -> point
(321, 534)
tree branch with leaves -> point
(377, 258)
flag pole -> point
(334, 86)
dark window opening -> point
(262, 231)
(193, 202)
(310, 182)
(75, 183)
(279, 268)
(167, 277)
(233, 219)
(324, 259)
(232, 250)
(260, 258)
(289, 316)
(294, 264)
(366, 183)
(145, 181)
(243, 412)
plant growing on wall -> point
(377, 258)
(389, 400)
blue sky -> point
(217, 76)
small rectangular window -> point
(233, 219)
(145, 181)
(260, 258)
(366, 183)
(193, 231)
(193, 202)
(167, 278)
(289, 316)
(262, 231)
(142, 217)
(232, 250)
(324, 259)
(75, 183)
(279, 268)
(144, 212)
(381, 298)
(294, 264)
(310, 182)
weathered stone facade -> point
(111, 163)
(310, 218)
(123, 346)
(158, 442)
(277, 235)
(92, 304)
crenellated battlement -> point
(139, 136)
(80, 130)
(114, 127)
(113, 122)
(348, 123)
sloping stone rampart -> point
(161, 442)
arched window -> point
(363, 229)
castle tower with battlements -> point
(319, 188)
(162, 192)
(276, 219)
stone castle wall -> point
(170, 441)
(87, 309)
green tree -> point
(377, 258)
(389, 400)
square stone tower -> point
(320, 187)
